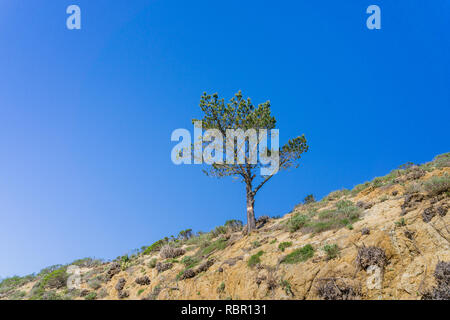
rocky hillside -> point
(385, 239)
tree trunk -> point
(251, 221)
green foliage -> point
(255, 259)
(87, 262)
(283, 245)
(437, 185)
(299, 255)
(55, 279)
(217, 245)
(219, 230)
(152, 263)
(12, 283)
(332, 251)
(442, 160)
(221, 288)
(140, 292)
(154, 247)
(256, 244)
(234, 225)
(309, 199)
(296, 222)
(91, 296)
(401, 223)
(190, 261)
(17, 295)
(273, 241)
(241, 114)
(337, 195)
(286, 286)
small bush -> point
(332, 251)
(168, 252)
(296, 222)
(331, 289)
(217, 245)
(437, 185)
(190, 261)
(368, 256)
(442, 160)
(286, 286)
(299, 255)
(221, 288)
(255, 259)
(154, 247)
(282, 246)
(152, 263)
(91, 296)
(309, 199)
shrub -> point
(221, 288)
(437, 185)
(309, 199)
(286, 287)
(283, 245)
(91, 296)
(296, 222)
(87, 262)
(345, 214)
(256, 244)
(152, 263)
(337, 194)
(368, 256)
(331, 289)
(154, 247)
(332, 251)
(219, 244)
(255, 259)
(442, 160)
(360, 187)
(234, 225)
(56, 279)
(169, 252)
(219, 230)
(299, 255)
(189, 261)
(413, 187)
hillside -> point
(385, 239)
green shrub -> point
(286, 286)
(296, 222)
(217, 245)
(283, 245)
(91, 296)
(140, 292)
(332, 251)
(56, 279)
(437, 185)
(154, 247)
(152, 263)
(442, 160)
(299, 255)
(309, 199)
(221, 288)
(190, 261)
(255, 259)
(401, 223)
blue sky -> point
(86, 115)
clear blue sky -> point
(86, 116)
